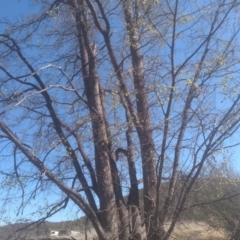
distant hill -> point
(219, 214)
(30, 230)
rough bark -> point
(145, 131)
(99, 190)
(107, 210)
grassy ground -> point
(187, 231)
(197, 231)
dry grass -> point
(184, 231)
(91, 235)
(197, 231)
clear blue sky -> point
(14, 10)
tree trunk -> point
(143, 125)
(108, 217)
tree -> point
(221, 188)
(87, 85)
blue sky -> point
(14, 10)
